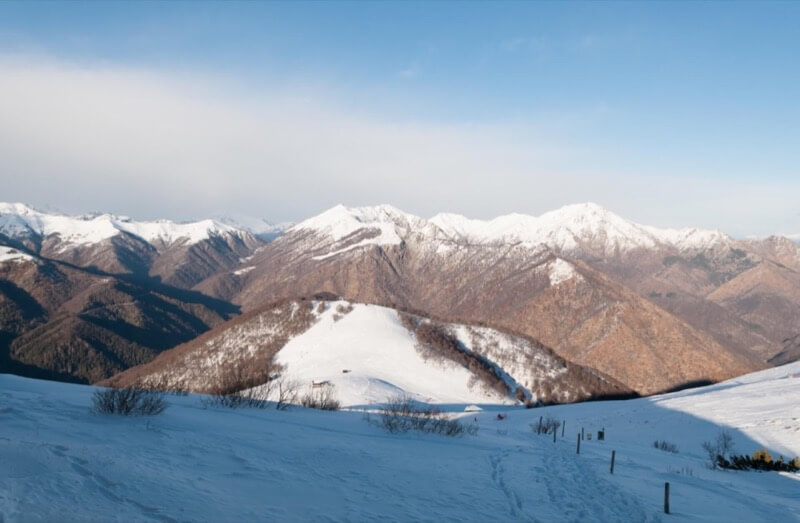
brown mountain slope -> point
(64, 322)
(680, 283)
(585, 316)
(768, 296)
(179, 264)
(178, 254)
(789, 353)
(778, 249)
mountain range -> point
(648, 309)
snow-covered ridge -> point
(572, 226)
(566, 229)
(390, 225)
(20, 221)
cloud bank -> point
(176, 145)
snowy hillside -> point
(369, 354)
(22, 222)
(61, 463)
(381, 360)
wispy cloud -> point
(138, 142)
(152, 144)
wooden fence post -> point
(563, 428)
(666, 497)
(579, 444)
(555, 430)
(613, 455)
(539, 430)
(581, 432)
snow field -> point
(61, 463)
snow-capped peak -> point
(170, 232)
(573, 227)
(340, 222)
(21, 221)
(585, 226)
(564, 229)
(16, 208)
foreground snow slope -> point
(61, 463)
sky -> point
(667, 113)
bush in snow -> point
(666, 446)
(761, 460)
(251, 398)
(322, 398)
(240, 386)
(342, 311)
(548, 426)
(285, 392)
(519, 393)
(722, 447)
(402, 414)
(129, 401)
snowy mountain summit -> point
(580, 227)
(20, 221)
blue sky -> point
(670, 113)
